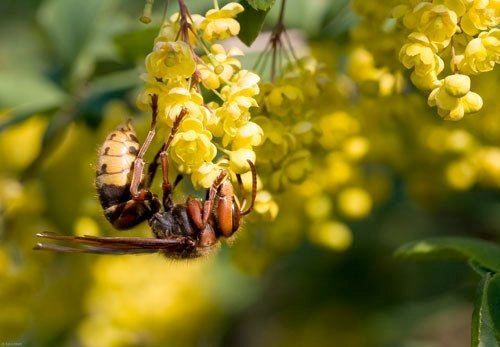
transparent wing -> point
(112, 245)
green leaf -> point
(483, 332)
(251, 22)
(69, 24)
(480, 270)
(136, 44)
(484, 253)
(493, 293)
(25, 93)
(115, 81)
(262, 5)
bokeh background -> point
(69, 73)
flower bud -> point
(457, 85)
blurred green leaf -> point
(27, 93)
(338, 18)
(114, 81)
(307, 15)
(68, 24)
(483, 332)
(486, 254)
(251, 22)
(262, 5)
(137, 44)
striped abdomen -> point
(114, 175)
(114, 165)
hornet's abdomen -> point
(114, 165)
(114, 174)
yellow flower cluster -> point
(311, 153)
(453, 97)
(127, 306)
(372, 80)
(334, 190)
(461, 30)
(288, 128)
(177, 75)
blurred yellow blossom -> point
(331, 234)
(266, 205)
(354, 202)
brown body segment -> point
(227, 210)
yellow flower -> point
(481, 53)
(420, 53)
(457, 6)
(238, 160)
(284, 99)
(472, 102)
(214, 123)
(244, 83)
(411, 12)
(265, 205)
(120, 317)
(205, 175)
(248, 136)
(219, 65)
(361, 65)
(192, 146)
(171, 59)
(220, 24)
(207, 76)
(153, 86)
(438, 23)
(425, 82)
(461, 174)
(454, 98)
(295, 169)
(318, 206)
(338, 171)
(179, 98)
(336, 127)
(309, 74)
(238, 98)
(356, 147)
(482, 15)
(457, 85)
(488, 163)
(460, 141)
(331, 234)
(354, 203)
(275, 144)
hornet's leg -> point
(152, 168)
(254, 188)
(139, 162)
(166, 186)
(200, 214)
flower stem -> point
(276, 39)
